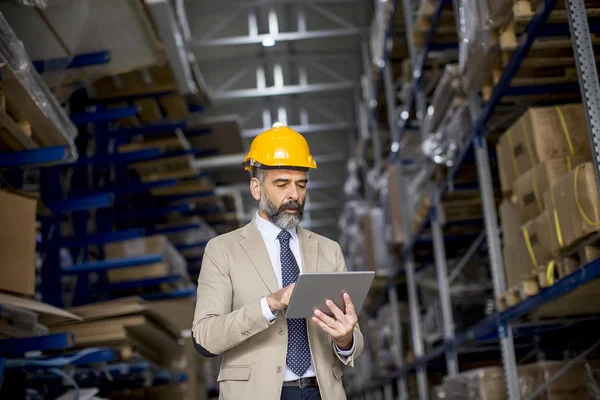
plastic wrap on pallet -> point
(592, 379)
(439, 393)
(496, 13)
(445, 92)
(444, 144)
(477, 384)
(570, 385)
(477, 49)
(22, 70)
(379, 25)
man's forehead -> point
(286, 174)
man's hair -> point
(259, 174)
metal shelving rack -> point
(497, 325)
(99, 185)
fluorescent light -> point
(268, 42)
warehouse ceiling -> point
(294, 62)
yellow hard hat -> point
(279, 147)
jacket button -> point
(279, 369)
(281, 331)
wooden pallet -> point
(15, 130)
(570, 259)
(446, 31)
(517, 293)
(550, 60)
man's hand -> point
(279, 300)
(341, 327)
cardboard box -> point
(574, 207)
(376, 254)
(517, 263)
(530, 187)
(570, 385)
(537, 239)
(17, 243)
(482, 383)
(541, 134)
(395, 205)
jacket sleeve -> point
(359, 341)
(216, 327)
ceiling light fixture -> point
(268, 42)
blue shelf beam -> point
(175, 229)
(157, 212)
(99, 239)
(44, 155)
(142, 283)
(101, 115)
(149, 129)
(187, 196)
(119, 158)
(188, 246)
(79, 61)
(143, 186)
(176, 294)
(100, 266)
(15, 347)
(190, 133)
(83, 203)
(87, 356)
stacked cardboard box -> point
(376, 255)
(534, 155)
(488, 383)
(130, 325)
(394, 205)
(573, 207)
(17, 243)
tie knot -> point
(284, 236)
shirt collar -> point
(270, 230)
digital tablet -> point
(313, 288)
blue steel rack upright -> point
(500, 323)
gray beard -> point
(278, 216)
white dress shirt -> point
(269, 233)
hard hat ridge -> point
(279, 147)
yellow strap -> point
(536, 193)
(550, 272)
(565, 129)
(529, 150)
(529, 248)
(512, 153)
(569, 164)
(556, 221)
(585, 217)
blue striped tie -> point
(298, 350)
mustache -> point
(292, 205)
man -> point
(246, 281)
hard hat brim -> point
(249, 165)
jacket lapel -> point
(309, 248)
(254, 246)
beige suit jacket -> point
(236, 273)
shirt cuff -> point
(346, 353)
(269, 316)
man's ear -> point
(255, 188)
